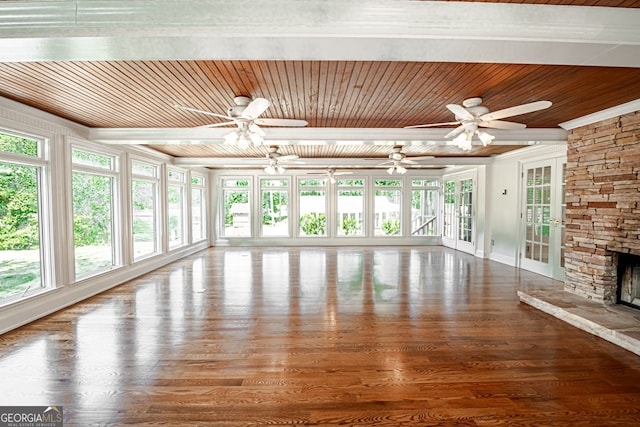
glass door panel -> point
(543, 218)
(459, 213)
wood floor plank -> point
(320, 336)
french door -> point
(459, 212)
(543, 217)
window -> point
(350, 212)
(424, 207)
(198, 225)
(144, 209)
(237, 209)
(275, 207)
(94, 180)
(176, 208)
(313, 207)
(387, 207)
(23, 261)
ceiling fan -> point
(245, 116)
(472, 114)
(331, 173)
(275, 159)
(397, 158)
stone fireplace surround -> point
(602, 222)
(603, 210)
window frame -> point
(201, 187)
(275, 188)
(365, 207)
(42, 165)
(399, 189)
(157, 218)
(437, 188)
(223, 190)
(323, 187)
(182, 185)
(115, 175)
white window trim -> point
(116, 201)
(42, 165)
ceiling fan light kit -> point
(243, 138)
(331, 174)
(397, 158)
(397, 168)
(274, 169)
(274, 158)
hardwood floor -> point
(320, 336)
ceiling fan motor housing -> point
(241, 104)
(473, 106)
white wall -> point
(504, 199)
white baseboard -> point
(502, 259)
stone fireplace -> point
(603, 210)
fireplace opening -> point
(628, 291)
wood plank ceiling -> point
(327, 94)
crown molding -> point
(609, 113)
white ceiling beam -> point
(324, 136)
(314, 163)
(402, 30)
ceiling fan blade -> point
(209, 113)
(456, 131)
(256, 129)
(281, 122)
(515, 111)
(501, 124)
(432, 125)
(287, 158)
(215, 125)
(255, 108)
(460, 111)
(342, 173)
(408, 161)
(419, 158)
